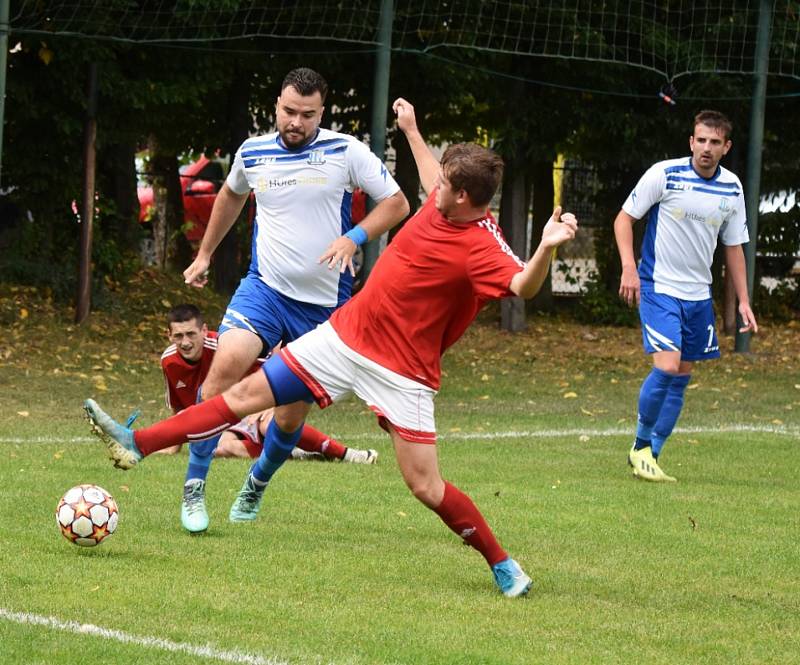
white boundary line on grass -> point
(126, 638)
(781, 430)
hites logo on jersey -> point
(316, 158)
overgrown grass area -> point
(343, 566)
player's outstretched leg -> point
(511, 579)
(316, 443)
(356, 456)
(118, 438)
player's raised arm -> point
(629, 285)
(224, 213)
(427, 165)
(558, 230)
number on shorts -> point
(710, 335)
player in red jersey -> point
(185, 364)
(385, 345)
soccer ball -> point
(87, 515)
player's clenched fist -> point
(404, 110)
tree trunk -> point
(119, 162)
(514, 222)
(84, 299)
(227, 265)
(729, 310)
(543, 197)
(171, 247)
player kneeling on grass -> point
(385, 345)
(246, 439)
(186, 363)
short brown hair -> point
(715, 120)
(184, 312)
(475, 169)
(306, 81)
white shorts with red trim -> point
(247, 432)
(332, 370)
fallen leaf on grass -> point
(24, 414)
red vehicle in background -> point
(201, 180)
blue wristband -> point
(357, 235)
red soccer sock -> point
(315, 441)
(462, 516)
(198, 422)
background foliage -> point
(203, 75)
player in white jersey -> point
(689, 203)
(303, 241)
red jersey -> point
(183, 379)
(425, 290)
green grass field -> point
(345, 567)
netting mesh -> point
(673, 38)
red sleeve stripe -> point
(320, 394)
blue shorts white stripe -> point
(270, 315)
(672, 324)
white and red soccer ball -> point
(87, 515)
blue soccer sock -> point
(200, 455)
(651, 399)
(278, 446)
(670, 411)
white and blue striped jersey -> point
(302, 205)
(685, 214)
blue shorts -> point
(273, 317)
(672, 324)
